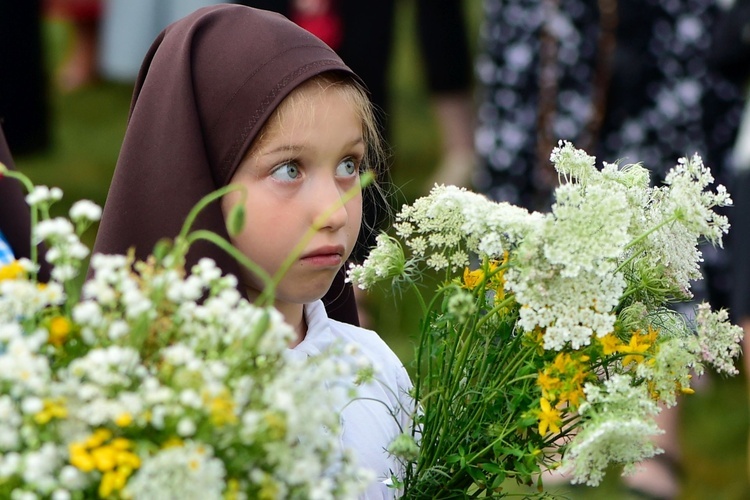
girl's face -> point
(296, 175)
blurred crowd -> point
(631, 80)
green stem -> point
(203, 234)
(27, 184)
(204, 202)
(499, 306)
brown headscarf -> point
(15, 218)
(206, 87)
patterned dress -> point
(625, 80)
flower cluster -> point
(551, 334)
(156, 383)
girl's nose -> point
(330, 207)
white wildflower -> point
(187, 472)
(384, 261)
(186, 427)
(43, 194)
(670, 368)
(53, 228)
(573, 164)
(718, 341)
(617, 427)
(85, 210)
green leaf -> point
(236, 219)
(477, 475)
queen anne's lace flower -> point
(718, 341)
(618, 429)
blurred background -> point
(432, 132)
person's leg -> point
(441, 27)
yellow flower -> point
(549, 418)
(53, 408)
(59, 329)
(98, 438)
(610, 343)
(233, 490)
(105, 458)
(111, 457)
(112, 481)
(222, 410)
(11, 271)
(173, 442)
(549, 384)
(573, 397)
(472, 279)
(80, 457)
(124, 419)
(638, 344)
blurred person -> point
(129, 26)
(79, 67)
(24, 102)
(730, 55)
(361, 32)
(626, 81)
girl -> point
(231, 94)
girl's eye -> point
(286, 172)
(346, 168)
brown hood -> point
(206, 87)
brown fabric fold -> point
(15, 217)
(206, 87)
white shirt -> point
(368, 426)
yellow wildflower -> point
(111, 457)
(573, 397)
(53, 408)
(105, 458)
(11, 271)
(638, 344)
(610, 343)
(549, 384)
(59, 329)
(233, 490)
(549, 418)
(472, 279)
(173, 442)
(222, 410)
(124, 419)
(80, 457)
(98, 438)
(112, 481)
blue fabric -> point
(6, 254)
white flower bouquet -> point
(559, 347)
(156, 384)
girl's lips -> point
(328, 256)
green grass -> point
(88, 128)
